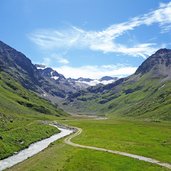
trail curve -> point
(146, 159)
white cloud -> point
(161, 16)
(96, 72)
(62, 60)
(97, 41)
(105, 40)
(55, 58)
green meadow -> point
(22, 116)
(150, 139)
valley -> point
(129, 115)
(146, 94)
(85, 85)
(144, 138)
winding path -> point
(146, 159)
(66, 130)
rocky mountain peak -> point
(18, 66)
(159, 61)
(50, 73)
(163, 51)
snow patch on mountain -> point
(40, 66)
(55, 77)
(95, 82)
(79, 83)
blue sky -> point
(87, 38)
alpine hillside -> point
(145, 94)
(22, 112)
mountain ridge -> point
(43, 80)
(82, 82)
(161, 57)
(145, 94)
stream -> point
(33, 149)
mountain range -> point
(40, 79)
(79, 83)
(145, 94)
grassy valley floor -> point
(150, 139)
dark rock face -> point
(160, 61)
(49, 72)
(22, 70)
(163, 51)
(18, 65)
(12, 58)
(44, 81)
(107, 78)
